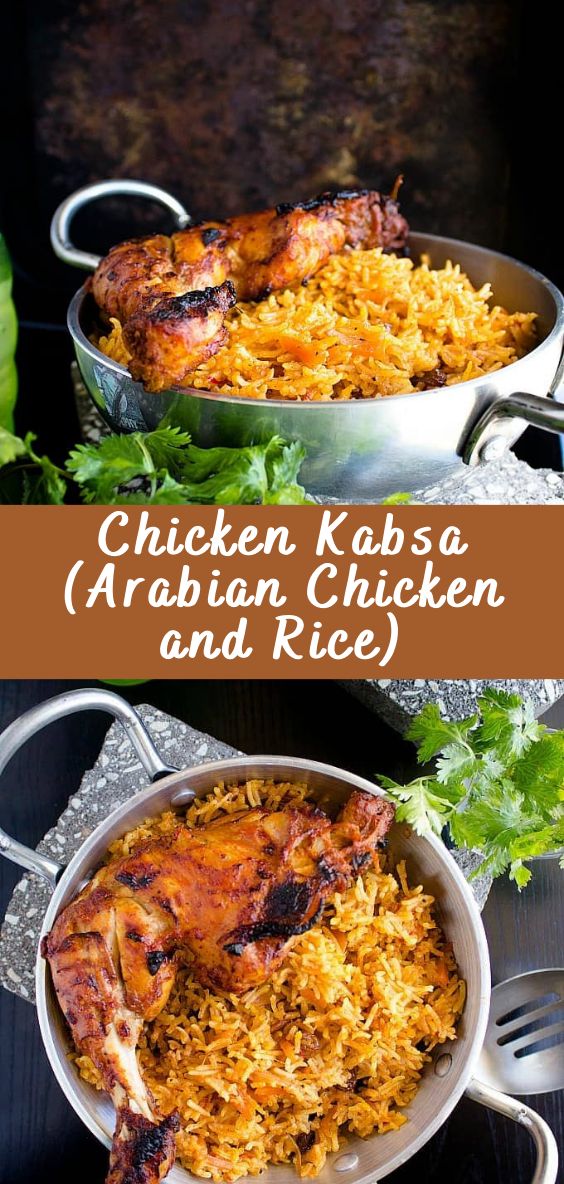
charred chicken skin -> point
(227, 899)
(172, 294)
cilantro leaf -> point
(538, 774)
(50, 484)
(259, 473)
(167, 449)
(419, 804)
(496, 818)
(288, 495)
(431, 733)
(166, 469)
(161, 467)
(508, 724)
(11, 447)
(398, 499)
(519, 873)
(166, 492)
(43, 485)
(283, 463)
(229, 476)
(37, 479)
(538, 842)
(102, 469)
(455, 763)
(498, 786)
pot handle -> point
(64, 214)
(546, 1167)
(486, 441)
(22, 729)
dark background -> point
(41, 1139)
(233, 104)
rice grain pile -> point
(366, 325)
(334, 1042)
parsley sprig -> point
(153, 468)
(497, 786)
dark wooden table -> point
(40, 1138)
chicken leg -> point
(226, 898)
(172, 294)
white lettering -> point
(328, 569)
(103, 587)
(170, 645)
(450, 542)
(420, 535)
(492, 599)
(119, 517)
(284, 634)
(130, 586)
(327, 530)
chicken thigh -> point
(227, 898)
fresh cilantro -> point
(261, 473)
(154, 461)
(431, 733)
(167, 448)
(419, 805)
(154, 468)
(27, 477)
(497, 786)
(508, 724)
(398, 499)
(11, 447)
(103, 469)
(164, 491)
(283, 463)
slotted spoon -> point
(523, 1050)
(523, 1053)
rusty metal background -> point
(237, 103)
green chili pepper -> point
(8, 339)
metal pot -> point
(445, 1081)
(362, 449)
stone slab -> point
(398, 701)
(504, 482)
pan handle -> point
(546, 1167)
(486, 441)
(22, 729)
(64, 214)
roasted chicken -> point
(226, 898)
(172, 294)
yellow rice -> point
(334, 1043)
(366, 325)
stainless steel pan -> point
(447, 1078)
(362, 449)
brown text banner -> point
(281, 592)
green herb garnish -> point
(398, 499)
(498, 785)
(154, 468)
